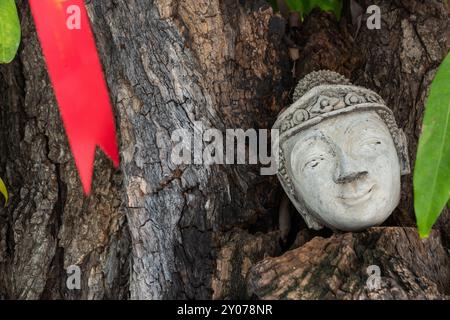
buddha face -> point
(346, 170)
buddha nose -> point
(348, 171)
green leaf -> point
(274, 4)
(9, 31)
(432, 169)
(296, 5)
(3, 190)
(304, 7)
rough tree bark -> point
(48, 224)
(336, 268)
(155, 230)
(168, 64)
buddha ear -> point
(310, 220)
(402, 150)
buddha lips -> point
(76, 74)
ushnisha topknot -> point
(317, 78)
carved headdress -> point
(326, 94)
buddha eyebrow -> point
(322, 137)
(373, 125)
(314, 137)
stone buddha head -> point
(341, 154)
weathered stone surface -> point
(336, 268)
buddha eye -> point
(371, 142)
(314, 162)
(374, 142)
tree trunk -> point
(157, 230)
(168, 65)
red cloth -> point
(78, 83)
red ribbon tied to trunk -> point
(76, 74)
